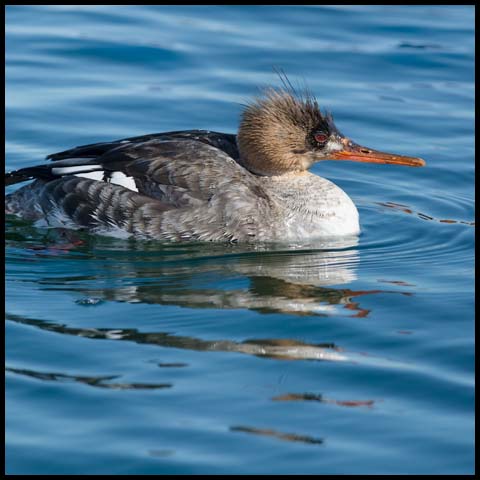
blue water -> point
(128, 357)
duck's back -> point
(174, 185)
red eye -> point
(321, 137)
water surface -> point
(352, 356)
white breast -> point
(313, 207)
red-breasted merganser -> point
(202, 185)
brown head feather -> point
(275, 133)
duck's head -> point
(283, 132)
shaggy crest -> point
(276, 131)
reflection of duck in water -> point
(282, 348)
(202, 185)
(300, 280)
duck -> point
(202, 185)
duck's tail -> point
(49, 171)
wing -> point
(178, 168)
(223, 141)
(180, 172)
(188, 186)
